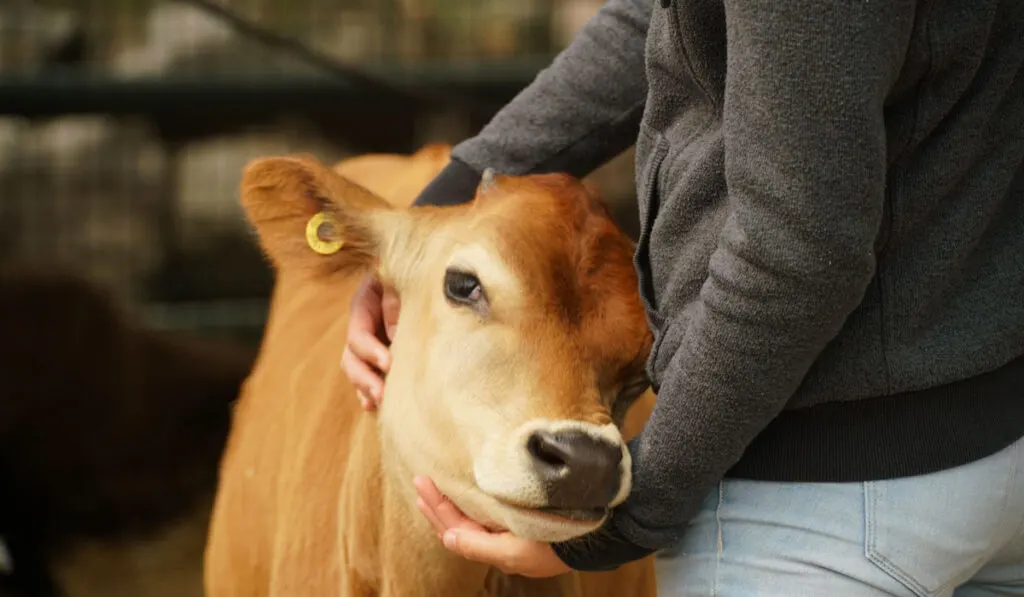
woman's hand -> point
(503, 550)
(373, 307)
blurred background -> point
(124, 124)
(132, 294)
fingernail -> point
(449, 539)
(382, 360)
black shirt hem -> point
(906, 434)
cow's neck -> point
(391, 550)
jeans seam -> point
(720, 545)
(879, 560)
(1009, 492)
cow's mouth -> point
(576, 515)
(573, 515)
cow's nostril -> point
(545, 448)
(578, 470)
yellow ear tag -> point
(322, 222)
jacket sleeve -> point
(805, 170)
(578, 113)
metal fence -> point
(124, 124)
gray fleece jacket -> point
(832, 251)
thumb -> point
(390, 306)
(366, 307)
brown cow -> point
(521, 344)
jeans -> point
(958, 533)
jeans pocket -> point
(933, 531)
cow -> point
(520, 349)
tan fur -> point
(315, 497)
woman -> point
(832, 231)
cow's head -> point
(521, 343)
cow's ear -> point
(308, 217)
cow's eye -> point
(462, 287)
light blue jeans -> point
(955, 533)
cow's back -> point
(269, 451)
(397, 178)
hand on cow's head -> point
(522, 335)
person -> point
(831, 258)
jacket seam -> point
(922, 86)
(883, 295)
(686, 52)
(883, 332)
